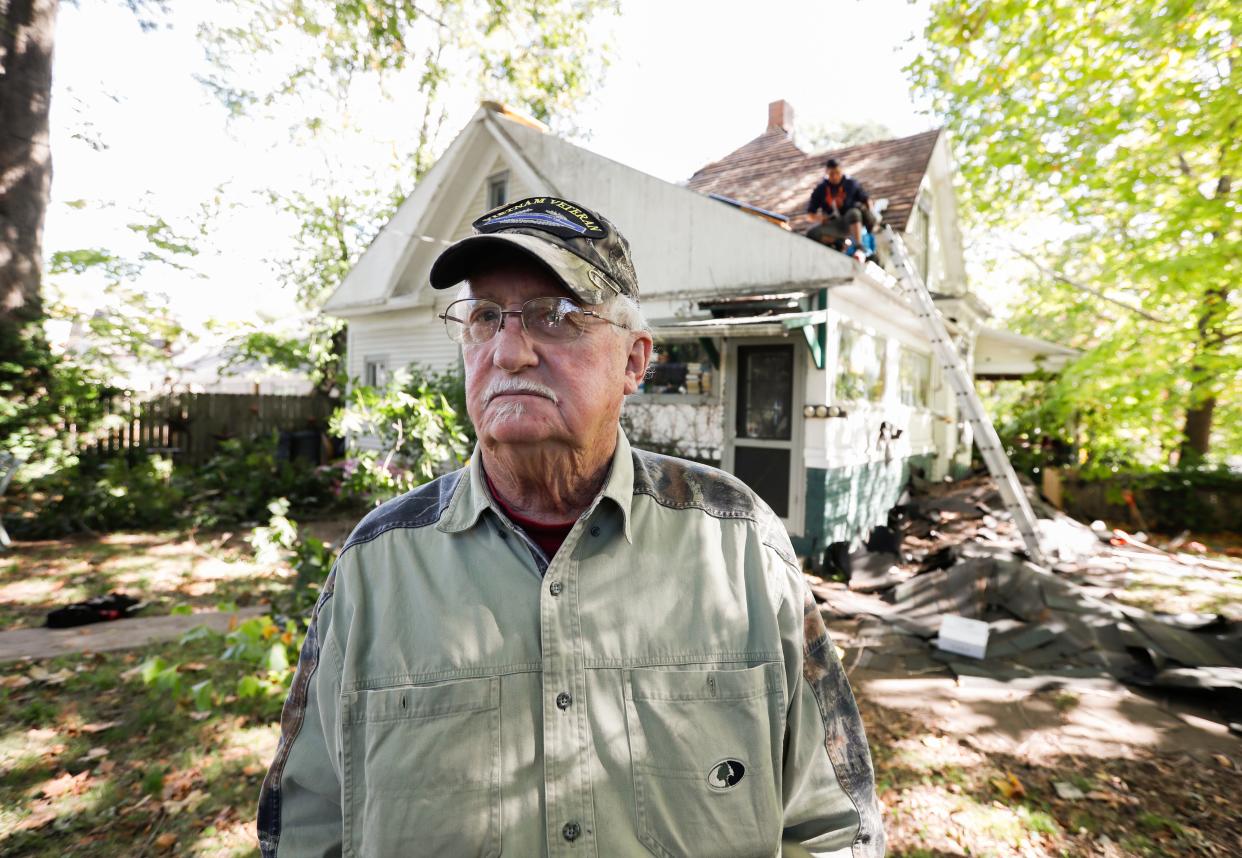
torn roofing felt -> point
(1047, 627)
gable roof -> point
(771, 172)
(685, 246)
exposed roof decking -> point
(771, 172)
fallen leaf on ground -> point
(96, 753)
(252, 770)
(99, 726)
(39, 674)
(42, 815)
(1010, 787)
(166, 840)
(1111, 797)
(66, 784)
(16, 680)
(190, 802)
(1223, 760)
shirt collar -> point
(471, 497)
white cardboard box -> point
(963, 636)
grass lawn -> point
(93, 762)
(166, 569)
(943, 796)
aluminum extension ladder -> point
(968, 403)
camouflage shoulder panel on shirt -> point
(418, 507)
(681, 484)
(844, 737)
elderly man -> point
(568, 647)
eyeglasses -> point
(472, 321)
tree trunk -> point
(1197, 430)
(1196, 434)
(26, 32)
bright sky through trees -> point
(688, 83)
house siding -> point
(517, 190)
(401, 338)
(842, 504)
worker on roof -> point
(842, 209)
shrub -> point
(123, 493)
(418, 430)
(241, 479)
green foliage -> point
(239, 482)
(324, 56)
(534, 53)
(48, 399)
(312, 558)
(265, 650)
(145, 492)
(419, 431)
(43, 396)
(1105, 138)
(98, 495)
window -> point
(375, 372)
(680, 368)
(497, 190)
(861, 360)
(765, 392)
(914, 378)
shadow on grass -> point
(944, 796)
(105, 766)
(165, 569)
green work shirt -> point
(664, 685)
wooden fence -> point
(188, 426)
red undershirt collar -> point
(549, 537)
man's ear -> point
(636, 361)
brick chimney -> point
(780, 116)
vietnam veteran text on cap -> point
(582, 248)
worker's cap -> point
(581, 248)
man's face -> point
(588, 377)
(834, 175)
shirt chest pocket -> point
(421, 769)
(706, 748)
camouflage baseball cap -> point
(583, 249)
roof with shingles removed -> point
(771, 172)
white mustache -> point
(518, 385)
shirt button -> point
(555, 588)
(595, 530)
(571, 831)
(562, 702)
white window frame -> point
(375, 370)
(497, 182)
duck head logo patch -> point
(725, 775)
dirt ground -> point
(975, 768)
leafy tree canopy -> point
(1117, 122)
(360, 71)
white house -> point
(761, 324)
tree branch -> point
(1061, 278)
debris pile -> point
(951, 550)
